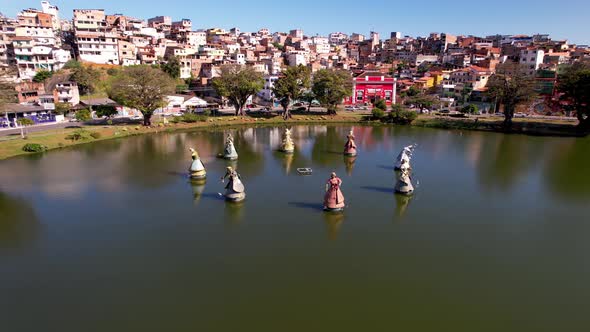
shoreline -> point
(56, 138)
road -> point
(33, 129)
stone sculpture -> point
(333, 199)
(234, 190)
(404, 183)
(230, 151)
(287, 145)
(197, 169)
(350, 146)
(404, 155)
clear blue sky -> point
(561, 19)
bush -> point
(77, 135)
(402, 116)
(95, 135)
(469, 109)
(378, 113)
(83, 115)
(191, 117)
(42, 75)
(34, 147)
(381, 104)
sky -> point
(564, 19)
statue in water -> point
(404, 183)
(333, 199)
(234, 190)
(287, 146)
(404, 155)
(230, 150)
(197, 169)
(350, 146)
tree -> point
(83, 115)
(62, 108)
(42, 75)
(24, 123)
(380, 104)
(143, 88)
(238, 83)
(421, 100)
(331, 87)
(86, 77)
(308, 97)
(172, 67)
(105, 110)
(469, 109)
(574, 83)
(291, 86)
(511, 86)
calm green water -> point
(112, 236)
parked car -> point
(350, 108)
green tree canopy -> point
(381, 104)
(291, 86)
(171, 67)
(62, 108)
(511, 86)
(143, 88)
(331, 87)
(83, 115)
(105, 110)
(86, 77)
(238, 83)
(574, 83)
(470, 109)
(42, 75)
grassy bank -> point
(526, 126)
(59, 138)
(11, 146)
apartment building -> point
(94, 39)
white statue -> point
(404, 156)
(234, 190)
(197, 169)
(404, 183)
(287, 144)
(230, 151)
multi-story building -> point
(66, 92)
(337, 38)
(94, 40)
(38, 26)
(532, 58)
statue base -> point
(404, 192)
(198, 175)
(235, 197)
(287, 151)
(350, 154)
(230, 157)
(338, 209)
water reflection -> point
(567, 173)
(198, 187)
(333, 223)
(505, 160)
(349, 164)
(234, 212)
(401, 204)
(19, 225)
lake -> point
(112, 236)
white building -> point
(67, 92)
(296, 59)
(532, 58)
(94, 43)
(269, 83)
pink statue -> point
(333, 199)
(350, 146)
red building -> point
(370, 87)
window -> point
(387, 95)
(359, 95)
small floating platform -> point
(305, 171)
